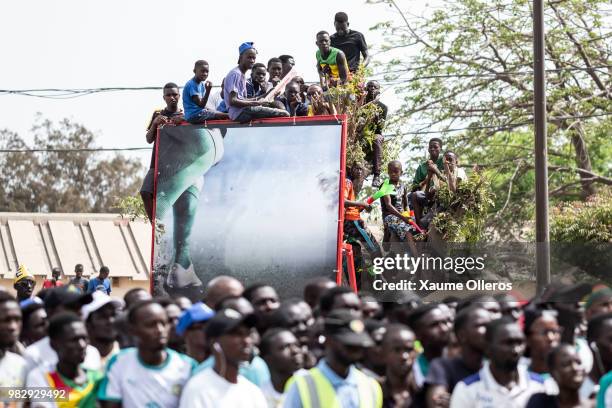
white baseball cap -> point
(100, 299)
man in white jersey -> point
(501, 383)
(150, 375)
(12, 366)
(63, 299)
(221, 386)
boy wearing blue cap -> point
(196, 94)
(191, 326)
(242, 109)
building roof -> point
(44, 241)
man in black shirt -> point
(351, 42)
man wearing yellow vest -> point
(331, 63)
(335, 382)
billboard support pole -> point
(541, 159)
(341, 119)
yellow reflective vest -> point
(317, 392)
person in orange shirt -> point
(355, 231)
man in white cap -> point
(99, 317)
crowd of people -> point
(331, 347)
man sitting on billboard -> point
(242, 109)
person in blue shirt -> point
(291, 101)
(257, 86)
(195, 96)
(100, 282)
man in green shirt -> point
(331, 63)
(435, 164)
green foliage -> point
(581, 235)
(469, 64)
(350, 99)
(130, 207)
(79, 180)
(589, 221)
(463, 214)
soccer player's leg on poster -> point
(182, 273)
(181, 191)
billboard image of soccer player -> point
(260, 203)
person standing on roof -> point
(352, 43)
(331, 63)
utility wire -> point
(59, 93)
(64, 150)
(507, 126)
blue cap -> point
(244, 47)
(197, 313)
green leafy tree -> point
(470, 65)
(69, 176)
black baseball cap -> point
(226, 320)
(342, 325)
(68, 295)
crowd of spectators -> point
(240, 347)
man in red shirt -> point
(55, 279)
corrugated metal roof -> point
(44, 241)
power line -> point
(65, 150)
(425, 132)
(499, 127)
(68, 93)
(489, 75)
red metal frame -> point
(291, 120)
(154, 209)
(347, 249)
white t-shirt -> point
(136, 385)
(213, 101)
(588, 388)
(274, 399)
(41, 354)
(12, 370)
(207, 389)
(482, 391)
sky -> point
(90, 44)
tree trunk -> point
(583, 161)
